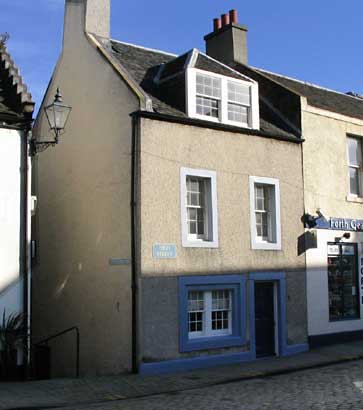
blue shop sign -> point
(164, 251)
(340, 224)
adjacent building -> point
(16, 109)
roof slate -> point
(321, 97)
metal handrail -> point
(45, 341)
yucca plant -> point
(11, 339)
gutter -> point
(216, 126)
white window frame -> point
(211, 217)
(207, 316)
(256, 242)
(254, 116)
(359, 168)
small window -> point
(199, 208)
(265, 213)
(354, 148)
(219, 98)
(209, 313)
(212, 311)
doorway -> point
(265, 312)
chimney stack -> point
(228, 41)
(91, 16)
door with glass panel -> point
(343, 281)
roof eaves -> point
(101, 45)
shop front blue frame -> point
(237, 283)
(238, 337)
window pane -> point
(192, 227)
(354, 181)
(239, 93)
(354, 151)
(221, 299)
(261, 197)
(195, 321)
(208, 85)
(192, 214)
(207, 106)
(195, 301)
(237, 113)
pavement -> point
(99, 391)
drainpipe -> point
(25, 220)
(134, 284)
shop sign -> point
(164, 251)
(340, 224)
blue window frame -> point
(234, 283)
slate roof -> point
(321, 97)
(144, 64)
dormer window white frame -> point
(222, 99)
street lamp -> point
(57, 115)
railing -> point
(48, 339)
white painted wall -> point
(318, 289)
(10, 286)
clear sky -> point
(318, 41)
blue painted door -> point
(264, 319)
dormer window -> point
(223, 99)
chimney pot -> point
(233, 16)
(225, 20)
(217, 24)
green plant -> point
(11, 339)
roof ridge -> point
(306, 83)
(146, 48)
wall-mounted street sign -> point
(340, 224)
(164, 251)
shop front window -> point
(343, 281)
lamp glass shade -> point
(57, 115)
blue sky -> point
(318, 41)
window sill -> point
(353, 198)
(266, 246)
(215, 342)
(199, 244)
(344, 319)
(218, 121)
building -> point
(330, 123)
(16, 109)
(169, 214)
